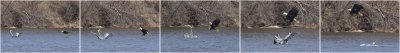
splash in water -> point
(190, 34)
(372, 44)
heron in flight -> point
(279, 40)
(100, 36)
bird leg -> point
(217, 29)
(359, 13)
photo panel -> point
(280, 26)
(120, 26)
(200, 26)
(39, 26)
(360, 26)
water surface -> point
(350, 42)
(39, 40)
(226, 40)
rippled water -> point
(226, 40)
(261, 40)
(173, 40)
(350, 42)
(39, 40)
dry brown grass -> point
(120, 14)
(200, 13)
(38, 14)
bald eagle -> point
(356, 9)
(66, 32)
(144, 31)
(214, 24)
(291, 15)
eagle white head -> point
(141, 28)
(284, 13)
(349, 9)
(210, 22)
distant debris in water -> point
(188, 26)
(356, 31)
(10, 27)
(335, 31)
(372, 44)
(97, 27)
(273, 26)
(249, 27)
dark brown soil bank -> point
(199, 13)
(40, 14)
(120, 14)
(377, 16)
(269, 13)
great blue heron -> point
(279, 40)
(100, 36)
(190, 34)
(17, 34)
